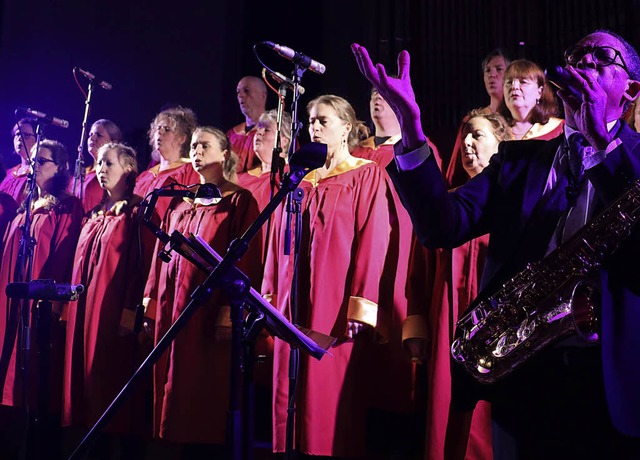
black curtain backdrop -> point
(194, 52)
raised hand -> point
(398, 93)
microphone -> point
(208, 193)
(205, 191)
(59, 122)
(277, 76)
(91, 77)
(44, 290)
(298, 58)
(561, 79)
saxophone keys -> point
(526, 329)
(505, 345)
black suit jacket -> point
(506, 200)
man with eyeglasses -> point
(570, 400)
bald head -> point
(383, 117)
(252, 98)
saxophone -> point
(550, 300)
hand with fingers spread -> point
(398, 92)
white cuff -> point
(594, 157)
(407, 161)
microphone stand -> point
(78, 174)
(23, 272)
(292, 208)
(223, 273)
(277, 162)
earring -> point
(537, 101)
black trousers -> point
(555, 408)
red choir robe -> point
(191, 379)
(242, 146)
(14, 184)
(55, 228)
(92, 193)
(259, 184)
(342, 254)
(445, 282)
(112, 261)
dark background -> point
(194, 52)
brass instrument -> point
(552, 299)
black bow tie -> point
(575, 149)
(577, 145)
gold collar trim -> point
(155, 170)
(349, 164)
(538, 130)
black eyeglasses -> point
(25, 135)
(43, 161)
(602, 56)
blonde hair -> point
(499, 126)
(127, 156)
(231, 160)
(114, 132)
(346, 113)
(184, 121)
(271, 116)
